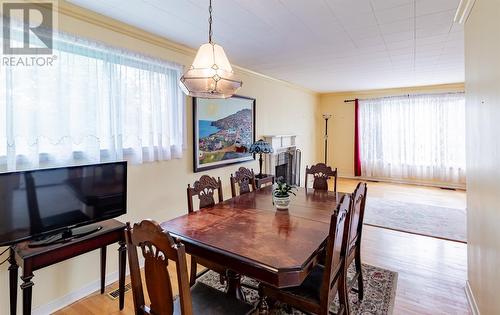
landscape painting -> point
(224, 130)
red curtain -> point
(357, 158)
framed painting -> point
(224, 130)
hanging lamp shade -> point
(210, 75)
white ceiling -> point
(324, 45)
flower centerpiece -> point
(281, 194)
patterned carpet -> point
(380, 290)
(440, 222)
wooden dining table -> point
(250, 237)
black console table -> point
(31, 259)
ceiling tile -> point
(403, 12)
(442, 17)
(430, 31)
(349, 6)
(433, 6)
(357, 20)
(397, 37)
(370, 41)
(362, 33)
(397, 27)
(388, 4)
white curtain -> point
(415, 137)
(95, 103)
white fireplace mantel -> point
(280, 143)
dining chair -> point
(322, 284)
(354, 245)
(158, 248)
(321, 173)
(245, 179)
(204, 189)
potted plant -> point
(281, 194)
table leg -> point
(103, 269)
(122, 260)
(27, 287)
(262, 306)
(13, 274)
(234, 285)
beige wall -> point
(482, 77)
(341, 127)
(157, 190)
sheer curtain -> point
(95, 103)
(416, 137)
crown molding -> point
(463, 11)
(470, 298)
(97, 19)
(459, 86)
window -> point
(416, 137)
(95, 103)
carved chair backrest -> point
(157, 248)
(245, 179)
(335, 251)
(357, 216)
(321, 173)
(205, 189)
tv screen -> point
(38, 202)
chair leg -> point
(194, 267)
(359, 271)
(343, 292)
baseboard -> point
(471, 299)
(74, 296)
(408, 182)
(79, 294)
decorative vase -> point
(281, 203)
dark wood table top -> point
(308, 204)
(251, 237)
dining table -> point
(248, 236)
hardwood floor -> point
(410, 193)
(431, 272)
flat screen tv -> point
(39, 204)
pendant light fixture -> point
(210, 75)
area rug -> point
(380, 291)
(440, 222)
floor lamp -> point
(326, 117)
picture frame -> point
(223, 131)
